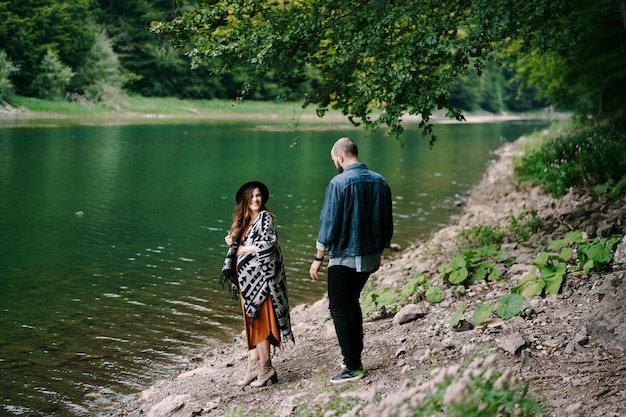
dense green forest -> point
(92, 51)
(352, 55)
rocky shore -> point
(570, 348)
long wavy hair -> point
(242, 214)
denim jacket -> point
(356, 216)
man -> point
(355, 227)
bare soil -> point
(568, 348)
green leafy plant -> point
(383, 298)
(596, 254)
(552, 267)
(412, 289)
(524, 225)
(473, 265)
(479, 236)
(434, 295)
(456, 271)
(508, 306)
(611, 188)
(591, 255)
(378, 298)
(551, 270)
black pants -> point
(344, 290)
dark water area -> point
(111, 240)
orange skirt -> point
(264, 326)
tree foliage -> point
(52, 78)
(153, 66)
(581, 63)
(375, 60)
(400, 57)
(7, 69)
(28, 30)
(99, 77)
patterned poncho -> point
(263, 273)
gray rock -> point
(175, 406)
(581, 339)
(512, 343)
(409, 313)
(606, 323)
(619, 258)
(463, 326)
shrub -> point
(585, 157)
(99, 78)
(6, 70)
(53, 78)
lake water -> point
(111, 239)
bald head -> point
(344, 153)
(346, 147)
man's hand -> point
(315, 269)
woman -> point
(261, 281)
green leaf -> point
(480, 274)
(387, 297)
(600, 250)
(533, 288)
(369, 303)
(553, 283)
(482, 313)
(529, 286)
(487, 251)
(458, 276)
(541, 259)
(434, 295)
(458, 314)
(588, 266)
(571, 237)
(458, 262)
(509, 305)
(566, 253)
(601, 189)
(495, 275)
(549, 270)
(457, 270)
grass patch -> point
(169, 106)
(60, 107)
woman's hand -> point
(229, 239)
(246, 249)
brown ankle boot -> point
(251, 373)
(267, 373)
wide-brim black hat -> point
(265, 193)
